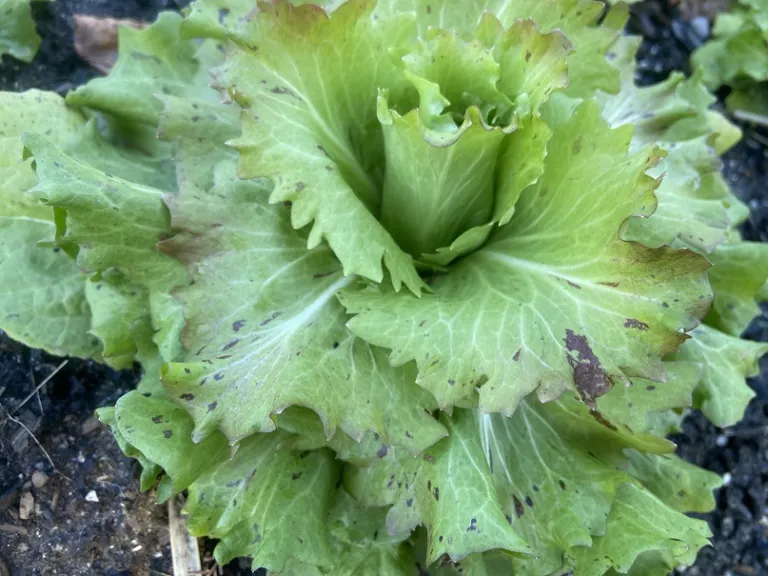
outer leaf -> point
(695, 206)
(18, 36)
(739, 272)
(553, 470)
(263, 501)
(694, 201)
(115, 223)
(638, 523)
(152, 61)
(311, 128)
(726, 361)
(42, 301)
(512, 317)
(264, 329)
(360, 544)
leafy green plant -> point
(737, 56)
(414, 284)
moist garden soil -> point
(86, 514)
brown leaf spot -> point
(187, 397)
(576, 148)
(436, 493)
(158, 419)
(167, 433)
(611, 284)
(268, 320)
(634, 323)
(516, 357)
(237, 325)
(231, 344)
(212, 406)
(381, 452)
(588, 375)
(472, 525)
(601, 419)
(519, 510)
(295, 475)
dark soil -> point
(125, 533)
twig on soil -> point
(184, 548)
(47, 456)
(37, 388)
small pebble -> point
(91, 496)
(39, 479)
(26, 505)
(721, 440)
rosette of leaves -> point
(737, 57)
(416, 285)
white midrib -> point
(306, 315)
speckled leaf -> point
(679, 484)
(640, 523)
(115, 223)
(694, 201)
(18, 36)
(42, 300)
(149, 470)
(261, 501)
(152, 61)
(359, 543)
(264, 329)
(554, 300)
(311, 127)
(695, 204)
(726, 361)
(552, 470)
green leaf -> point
(739, 272)
(262, 501)
(434, 193)
(264, 329)
(553, 471)
(726, 361)
(18, 36)
(695, 204)
(155, 60)
(42, 301)
(588, 68)
(359, 543)
(679, 484)
(312, 129)
(638, 523)
(441, 185)
(114, 223)
(149, 470)
(555, 300)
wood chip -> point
(184, 548)
(90, 425)
(96, 39)
(13, 529)
(26, 505)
